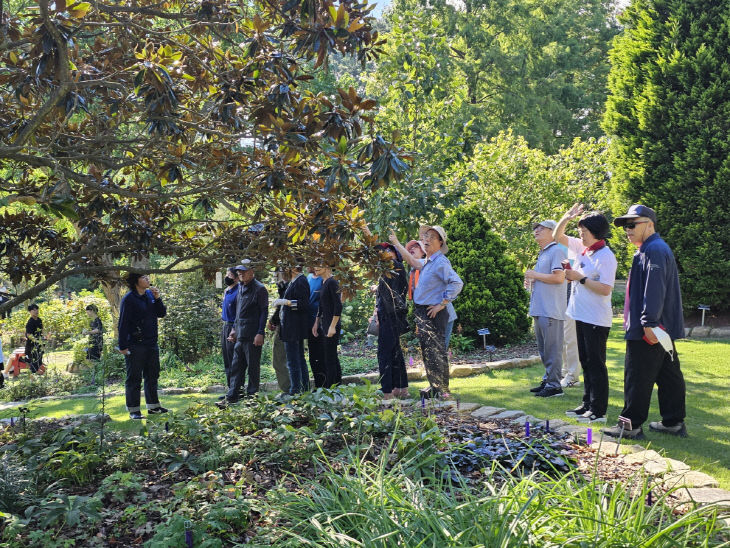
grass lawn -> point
(706, 368)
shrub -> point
(191, 328)
(30, 386)
(493, 295)
(356, 312)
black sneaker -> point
(540, 388)
(550, 392)
(590, 416)
(224, 403)
(221, 398)
(430, 392)
(615, 432)
(136, 415)
(676, 430)
(577, 412)
(156, 411)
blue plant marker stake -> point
(527, 429)
(458, 403)
(649, 502)
(547, 425)
(589, 436)
(423, 401)
(12, 421)
(189, 534)
(167, 426)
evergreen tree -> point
(493, 295)
(668, 113)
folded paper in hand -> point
(665, 340)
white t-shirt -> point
(585, 305)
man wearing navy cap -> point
(653, 321)
(252, 308)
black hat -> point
(636, 211)
(597, 224)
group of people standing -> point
(308, 308)
(653, 317)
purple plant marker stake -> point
(547, 425)
(189, 534)
(410, 361)
(589, 436)
(527, 429)
(423, 401)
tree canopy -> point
(181, 130)
(667, 114)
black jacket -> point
(138, 319)
(391, 298)
(295, 321)
(252, 308)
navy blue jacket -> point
(138, 319)
(252, 309)
(654, 295)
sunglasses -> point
(632, 226)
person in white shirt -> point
(590, 305)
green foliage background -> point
(493, 295)
(667, 114)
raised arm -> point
(559, 232)
(407, 257)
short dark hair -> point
(32, 307)
(596, 224)
(132, 279)
(93, 308)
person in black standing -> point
(34, 339)
(228, 316)
(252, 308)
(327, 326)
(295, 327)
(138, 314)
(95, 332)
(391, 313)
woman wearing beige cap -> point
(438, 285)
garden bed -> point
(248, 473)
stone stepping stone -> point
(705, 496)
(486, 411)
(509, 414)
(664, 465)
(467, 407)
(571, 429)
(534, 422)
(689, 478)
(642, 456)
(605, 447)
(461, 371)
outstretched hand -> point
(574, 211)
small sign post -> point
(704, 308)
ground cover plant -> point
(706, 367)
(328, 468)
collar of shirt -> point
(433, 258)
(651, 238)
(548, 246)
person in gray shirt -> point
(546, 283)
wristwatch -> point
(583, 280)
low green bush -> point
(29, 386)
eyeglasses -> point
(632, 226)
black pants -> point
(142, 362)
(34, 354)
(227, 350)
(432, 336)
(391, 364)
(246, 357)
(646, 364)
(316, 360)
(330, 361)
(592, 354)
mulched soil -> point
(360, 349)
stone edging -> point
(707, 332)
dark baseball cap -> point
(636, 211)
(244, 266)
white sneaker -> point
(567, 382)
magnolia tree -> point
(181, 133)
